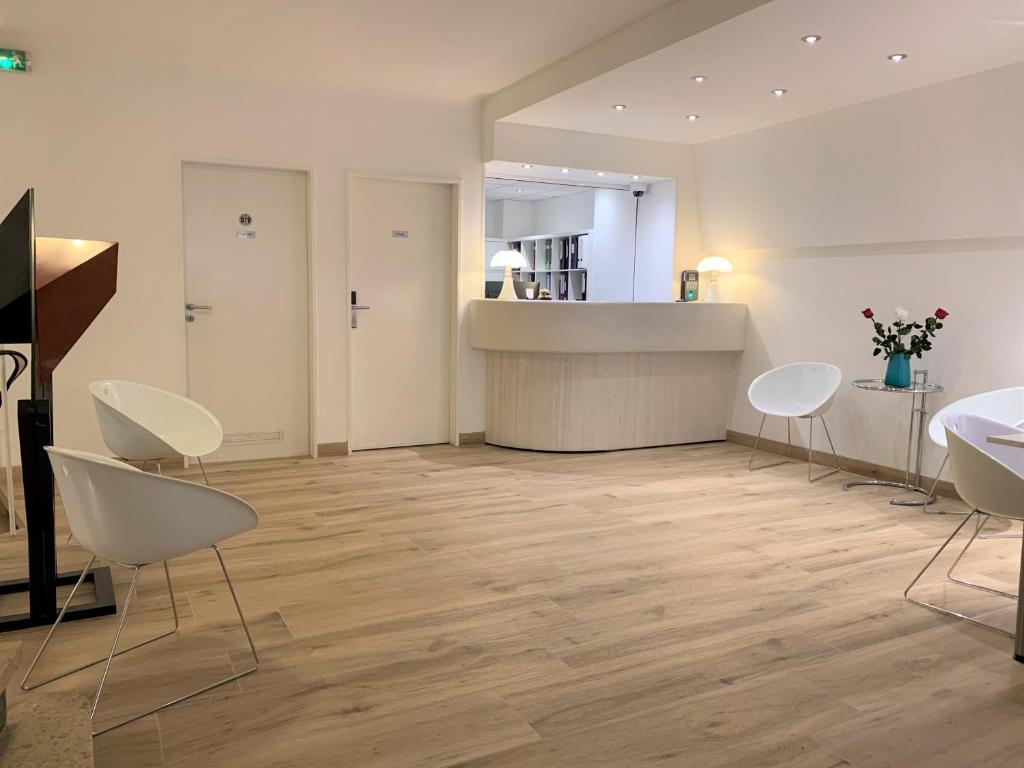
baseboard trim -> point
(332, 449)
(853, 466)
(471, 438)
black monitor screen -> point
(16, 265)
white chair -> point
(1003, 405)
(796, 391)
(990, 478)
(134, 519)
(143, 423)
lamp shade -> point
(714, 264)
(509, 258)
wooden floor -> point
(485, 607)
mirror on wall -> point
(584, 235)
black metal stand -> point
(35, 426)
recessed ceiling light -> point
(896, 57)
(619, 107)
(779, 92)
(527, 165)
(600, 173)
(699, 78)
(811, 39)
(520, 191)
(636, 178)
(693, 118)
(565, 170)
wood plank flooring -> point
(480, 607)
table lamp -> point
(714, 265)
(509, 260)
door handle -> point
(355, 317)
(198, 307)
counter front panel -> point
(591, 377)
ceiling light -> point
(699, 78)
(600, 173)
(693, 118)
(636, 178)
(811, 39)
(779, 92)
(565, 170)
(619, 107)
(527, 165)
(520, 191)
(896, 57)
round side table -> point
(918, 391)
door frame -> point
(311, 297)
(455, 184)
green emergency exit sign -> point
(13, 60)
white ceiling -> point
(751, 54)
(433, 50)
(527, 191)
(576, 177)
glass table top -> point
(879, 385)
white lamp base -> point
(711, 296)
(508, 291)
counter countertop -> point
(605, 327)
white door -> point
(401, 254)
(248, 352)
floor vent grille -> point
(248, 438)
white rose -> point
(902, 314)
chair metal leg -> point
(24, 682)
(980, 522)
(810, 450)
(203, 469)
(113, 645)
(939, 609)
(204, 689)
(750, 461)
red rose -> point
(869, 314)
(941, 313)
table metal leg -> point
(912, 482)
(1018, 640)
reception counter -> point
(595, 376)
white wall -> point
(655, 233)
(610, 276)
(103, 148)
(517, 219)
(568, 213)
(913, 200)
(493, 218)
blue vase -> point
(897, 374)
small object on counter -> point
(544, 295)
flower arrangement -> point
(902, 339)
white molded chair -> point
(134, 519)
(796, 391)
(1003, 405)
(990, 478)
(143, 423)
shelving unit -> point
(558, 262)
